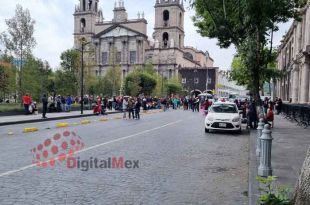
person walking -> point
(26, 102)
(124, 107)
(44, 105)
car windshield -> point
(222, 108)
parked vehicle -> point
(223, 116)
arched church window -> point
(165, 39)
(166, 15)
(84, 5)
(180, 41)
(180, 20)
(83, 25)
(90, 2)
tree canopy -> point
(249, 26)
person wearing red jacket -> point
(26, 102)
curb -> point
(52, 119)
(253, 166)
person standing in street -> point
(137, 108)
(253, 115)
(44, 105)
(68, 103)
(125, 107)
(131, 106)
(26, 102)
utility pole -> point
(82, 80)
(83, 44)
(195, 76)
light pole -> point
(195, 76)
(162, 83)
(83, 44)
(207, 80)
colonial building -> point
(199, 80)
(124, 42)
(294, 60)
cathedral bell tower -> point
(120, 14)
(169, 24)
(85, 16)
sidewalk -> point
(21, 119)
(289, 147)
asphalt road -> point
(171, 161)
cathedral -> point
(124, 42)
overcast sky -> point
(54, 27)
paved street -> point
(178, 163)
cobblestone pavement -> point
(178, 164)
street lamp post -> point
(162, 83)
(195, 76)
(83, 44)
(82, 80)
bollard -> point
(264, 169)
(260, 128)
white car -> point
(223, 116)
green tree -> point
(247, 24)
(67, 79)
(239, 73)
(148, 83)
(112, 81)
(133, 84)
(35, 77)
(174, 86)
(7, 77)
(138, 82)
(19, 37)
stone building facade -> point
(199, 80)
(294, 60)
(124, 42)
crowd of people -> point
(268, 109)
(131, 106)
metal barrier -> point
(298, 113)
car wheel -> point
(207, 130)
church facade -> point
(124, 42)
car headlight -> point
(236, 119)
(210, 118)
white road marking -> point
(95, 146)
